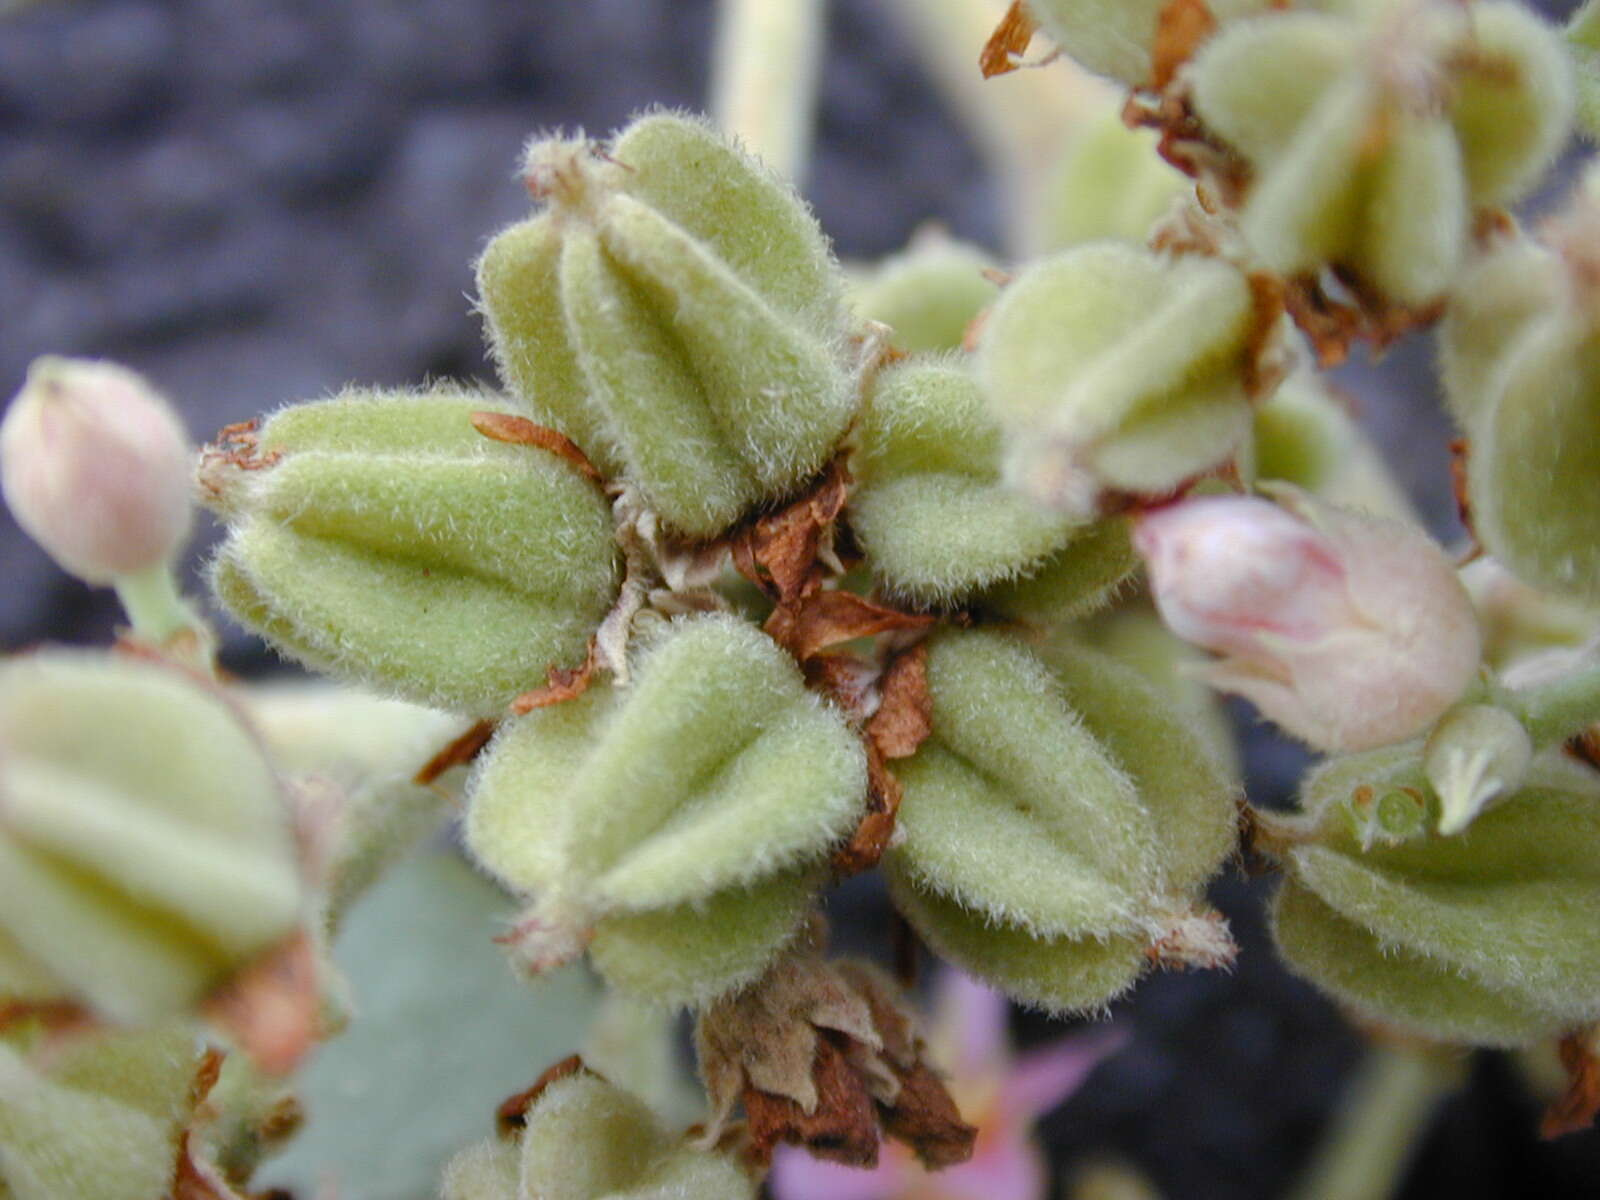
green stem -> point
(1555, 711)
(764, 77)
(1365, 1152)
(154, 606)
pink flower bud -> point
(95, 467)
(1348, 631)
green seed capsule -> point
(143, 838)
(1373, 135)
(380, 538)
(1483, 937)
(928, 294)
(677, 822)
(1114, 367)
(675, 309)
(1058, 821)
(98, 1118)
(929, 507)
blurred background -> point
(257, 201)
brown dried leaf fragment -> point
(272, 1008)
(1180, 29)
(828, 618)
(1002, 53)
(1576, 1108)
(457, 753)
(905, 715)
(519, 431)
(1333, 324)
(779, 552)
(841, 1126)
(872, 836)
(561, 684)
(926, 1119)
(511, 1116)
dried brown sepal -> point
(779, 552)
(1576, 1108)
(58, 1018)
(511, 1115)
(1002, 53)
(272, 1008)
(1181, 27)
(1585, 747)
(847, 680)
(520, 431)
(1197, 939)
(871, 838)
(905, 714)
(1265, 360)
(457, 753)
(829, 618)
(841, 1126)
(926, 1119)
(1461, 487)
(1186, 143)
(1333, 324)
(561, 683)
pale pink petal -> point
(970, 1027)
(796, 1175)
(1045, 1077)
(1007, 1166)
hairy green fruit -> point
(1058, 821)
(98, 1118)
(676, 310)
(1110, 183)
(1482, 937)
(1373, 137)
(928, 294)
(1115, 367)
(143, 838)
(380, 538)
(586, 1139)
(677, 822)
(929, 506)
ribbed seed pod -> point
(675, 309)
(143, 838)
(929, 293)
(380, 538)
(98, 1118)
(1110, 366)
(1484, 937)
(1058, 822)
(929, 506)
(680, 823)
(1374, 136)
(586, 1139)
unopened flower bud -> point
(1348, 631)
(95, 467)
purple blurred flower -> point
(998, 1091)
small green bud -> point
(1115, 367)
(929, 507)
(380, 538)
(143, 836)
(1082, 578)
(1110, 183)
(1374, 136)
(929, 293)
(676, 310)
(1476, 755)
(709, 787)
(1483, 937)
(99, 1117)
(1060, 807)
(586, 1139)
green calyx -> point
(1373, 136)
(1481, 937)
(144, 839)
(675, 309)
(380, 538)
(587, 1139)
(677, 827)
(1058, 823)
(1113, 367)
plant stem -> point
(159, 615)
(1387, 1106)
(1562, 708)
(764, 77)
